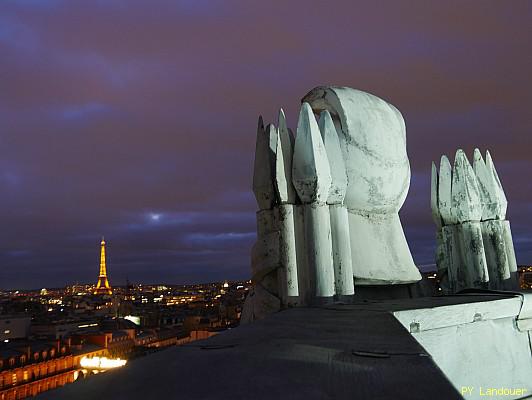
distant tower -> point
(103, 287)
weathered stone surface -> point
(452, 249)
(335, 157)
(368, 253)
(341, 240)
(441, 260)
(512, 262)
(265, 266)
(287, 273)
(303, 268)
(261, 303)
(442, 264)
(288, 255)
(312, 179)
(465, 204)
(271, 134)
(372, 137)
(436, 216)
(472, 253)
(283, 163)
(266, 222)
(444, 191)
(373, 142)
(479, 344)
(473, 268)
(319, 248)
(488, 189)
(341, 249)
(265, 256)
(502, 196)
(311, 174)
(496, 253)
(262, 172)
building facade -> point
(28, 370)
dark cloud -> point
(135, 120)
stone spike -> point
(465, 192)
(444, 191)
(271, 133)
(335, 157)
(478, 161)
(311, 173)
(484, 184)
(281, 123)
(436, 216)
(260, 124)
(498, 185)
(489, 193)
(262, 172)
(283, 163)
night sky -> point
(137, 120)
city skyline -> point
(143, 130)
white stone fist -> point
(373, 141)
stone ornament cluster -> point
(474, 240)
(328, 202)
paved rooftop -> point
(355, 351)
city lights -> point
(103, 363)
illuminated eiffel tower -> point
(103, 287)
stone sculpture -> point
(328, 202)
(372, 136)
(474, 241)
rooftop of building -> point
(337, 351)
(85, 348)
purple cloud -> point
(114, 111)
